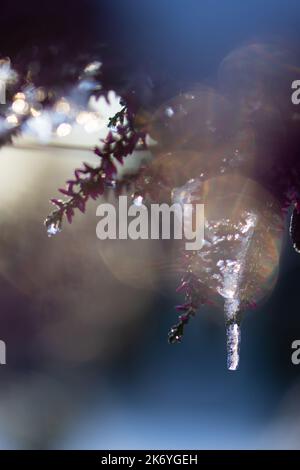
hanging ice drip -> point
(239, 259)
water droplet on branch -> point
(53, 228)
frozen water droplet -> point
(138, 201)
(53, 229)
(169, 112)
(114, 129)
(92, 68)
(111, 184)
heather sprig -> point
(194, 298)
(91, 182)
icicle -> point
(233, 333)
(233, 272)
(240, 255)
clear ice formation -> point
(229, 261)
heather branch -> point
(194, 298)
(92, 182)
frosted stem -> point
(233, 333)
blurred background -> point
(85, 322)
